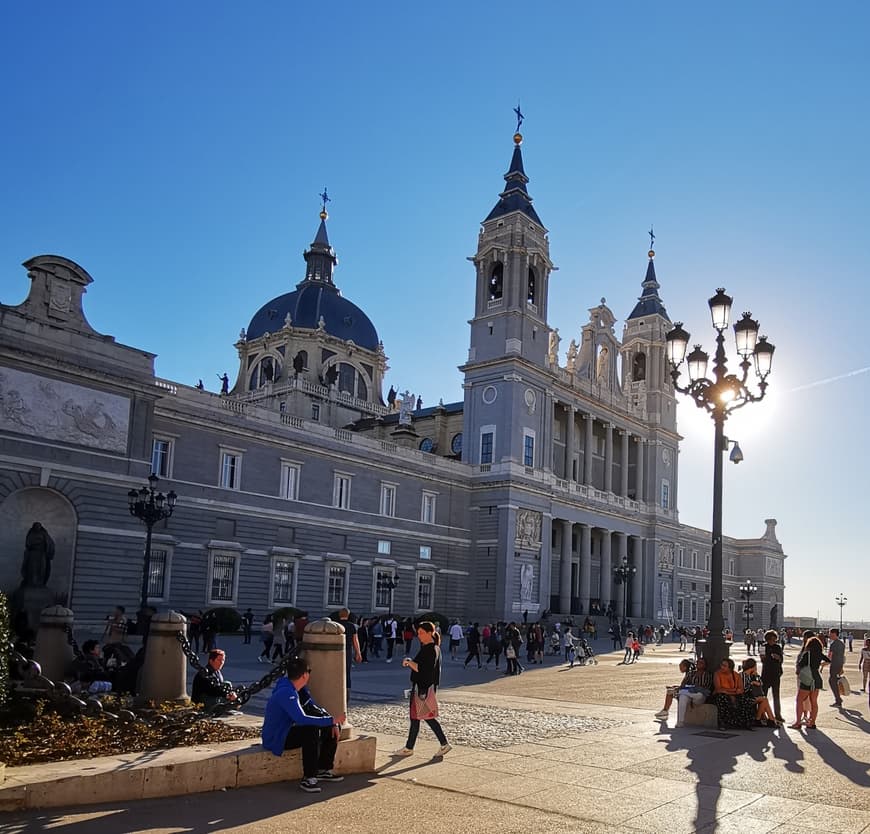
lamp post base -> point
(714, 649)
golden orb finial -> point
(651, 254)
(518, 138)
(324, 214)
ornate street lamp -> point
(841, 601)
(390, 584)
(150, 506)
(719, 397)
(747, 591)
(623, 573)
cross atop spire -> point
(520, 116)
(652, 239)
(324, 199)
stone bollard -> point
(53, 651)
(164, 673)
(323, 646)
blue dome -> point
(306, 304)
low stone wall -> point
(176, 772)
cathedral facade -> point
(301, 484)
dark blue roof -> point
(649, 303)
(515, 197)
(310, 301)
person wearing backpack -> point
(809, 662)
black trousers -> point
(391, 644)
(318, 748)
(774, 687)
(414, 730)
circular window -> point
(456, 444)
(489, 394)
(426, 444)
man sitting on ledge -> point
(294, 720)
(210, 688)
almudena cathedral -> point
(300, 485)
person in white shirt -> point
(391, 631)
(455, 633)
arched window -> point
(638, 367)
(496, 282)
(349, 380)
(268, 369)
(300, 361)
(532, 289)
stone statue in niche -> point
(528, 529)
(38, 553)
(406, 408)
(298, 363)
(572, 356)
(527, 583)
(638, 367)
(602, 368)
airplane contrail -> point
(829, 379)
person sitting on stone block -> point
(210, 689)
(87, 673)
(293, 719)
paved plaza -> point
(551, 750)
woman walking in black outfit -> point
(425, 677)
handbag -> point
(423, 707)
(805, 676)
(843, 685)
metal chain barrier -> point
(243, 693)
(70, 638)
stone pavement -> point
(551, 750)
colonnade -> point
(578, 585)
(624, 487)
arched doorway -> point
(51, 509)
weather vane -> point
(324, 199)
(652, 237)
(519, 116)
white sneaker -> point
(405, 751)
(662, 713)
(310, 786)
(444, 748)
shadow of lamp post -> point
(720, 396)
(149, 506)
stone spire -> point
(515, 196)
(320, 258)
(649, 303)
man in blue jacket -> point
(294, 720)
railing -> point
(292, 420)
(169, 387)
(344, 435)
(236, 406)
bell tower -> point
(513, 268)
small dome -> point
(306, 305)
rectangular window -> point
(528, 450)
(283, 571)
(336, 588)
(425, 551)
(679, 608)
(666, 495)
(290, 473)
(157, 574)
(682, 557)
(341, 492)
(425, 586)
(384, 547)
(694, 560)
(731, 568)
(487, 445)
(315, 412)
(706, 610)
(231, 470)
(427, 511)
(385, 582)
(694, 610)
(388, 499)
(222, 581)
(707, 562)
(161, 457)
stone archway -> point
(51, 509)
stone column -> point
(571, 413)
(585, 565)
(546, 579)
(621, 553)
(608, 457)
(623, 455)
(164, 673)
(550, 420)
(637, 581)
(605, 587)
(641, 451)
(565, 569)
(323, 646)
(53, 652)
(587, 450)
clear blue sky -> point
(176, 152)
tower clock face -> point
(456, 444)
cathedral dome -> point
(306, 305)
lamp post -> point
(719, 397)
(623, 573)
(841, 601)
(390, 584)
(149, 506)
(747, 591)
